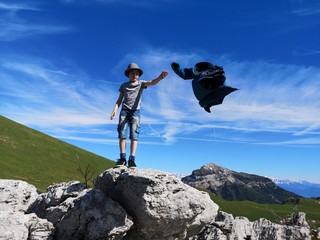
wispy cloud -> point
(307, 11)
(14, 27)
(280, 101)
(136, 4)
(16, 7)
(305, 52)
(305, 8)
(13, 31)
(272, 98)
(54, 96)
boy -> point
(131, 94)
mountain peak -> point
(231, 185)
(212, 168)
(211, 174)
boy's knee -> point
(134, 133)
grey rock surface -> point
(129, 204)
(15, 197)
(161, 205)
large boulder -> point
(16, 195)
(20, 226)
(15, 198)
(79, 213)
(56, 201)
(162, 207)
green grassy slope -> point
(272, 212)
(41, 160)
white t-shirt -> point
(132, 94)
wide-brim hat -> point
(133, 66)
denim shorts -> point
(131, 119)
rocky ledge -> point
(128, 204)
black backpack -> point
(212, 80)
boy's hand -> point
(163, 74)
(113, 115)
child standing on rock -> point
(130, 96)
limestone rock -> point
(20, 226)
(56, 201)
(229, 228)
(130, 204)
(78, 213)
(16, 195)
(15, 198)
(161, 205)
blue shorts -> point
(129, 118)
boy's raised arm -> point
(156, 80)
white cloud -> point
(304, 8)
(42, 95)
(305, 51)
(136, 4)
(13, 27)
(14, 31)
(273, 99)
(16, 7)
(307, 11)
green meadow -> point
(41, 160)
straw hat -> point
(133, 66)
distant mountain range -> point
(300, 187)
(231, 185)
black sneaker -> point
(121, 162)
(131, 164)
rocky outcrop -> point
(231, 185)
(79, 213)
(15, 198)
(161, 205)
(128, 204)
(226, 227)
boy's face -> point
(134, 75)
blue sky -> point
(62, 62)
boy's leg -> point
(122, 132)
(133, 147)
(134, 133)
(122, 145)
